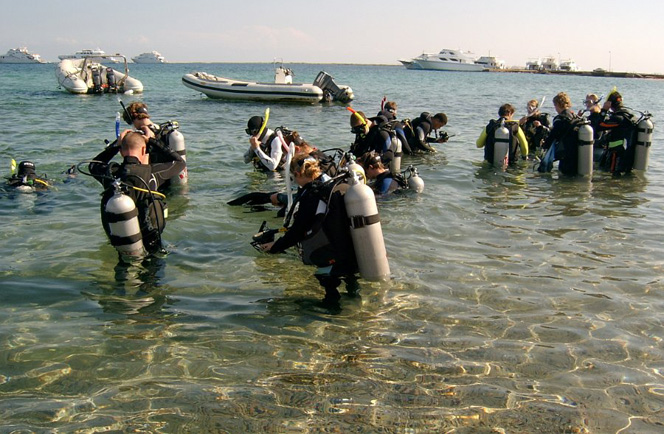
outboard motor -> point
(331, 91)
(643, 141)
(366, 231)
(110, 79)
(585, 143)
(96, 80)
(124, 231)
(501, 147)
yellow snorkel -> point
(13, 166)
(265, 119)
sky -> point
(610, 34)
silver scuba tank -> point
(176, 143)
(124, 231)
(643, 141)
(396, 147)
(415, 183)
(366, 231)
(501, 147)
(585, 143)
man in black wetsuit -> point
(140, 180)
(370, 137)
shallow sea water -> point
(518, 302)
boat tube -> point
(324, 89)
(86, 75)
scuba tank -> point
(176, 143)
(396, 147)
(585, 150)
(124, 231)
(643, 141)
(501, 146)
(366, 231)
(353, 168)
(415, 183)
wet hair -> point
(505, 110)
(441, 117)
(533, 102)
(390, 105)
(306, 165)
(562, 100)
(137, 110)
(358, 118)
(370, 159)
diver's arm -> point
(99, 166)
(173, 163)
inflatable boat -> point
(87, 75)
(323, 89)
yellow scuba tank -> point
(366, 231)
(124, 230)
(643, 141)
(585, 150)
(501, 146)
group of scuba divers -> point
(332, 217)
(610, 136)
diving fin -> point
(255, 198)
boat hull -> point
(224, 88)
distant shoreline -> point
(612, 74)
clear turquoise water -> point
(518, 302)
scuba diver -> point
(26, 178)
(535, 126)
(168, 134)
(384, 181)
(138, 180)
(619, 123)
(595, 117)
(318, 224)
(369, 136)
(563, 137)
(418, 131)
(518, 144)
(266, 149)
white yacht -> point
(491, 62)
(568, 65)
(534, 64)
(550, 64)
(445, 60)
(151, 57)
(90, 53)
(20, 55)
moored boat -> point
(87, 75)
(96, 54)
(150, 57)
(323, 89)
(20, 55)
(445, 60)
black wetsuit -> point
(562, 135)
(377, 139)
(143, 176)
(322, 235)
(536, 134)
(619, 155)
